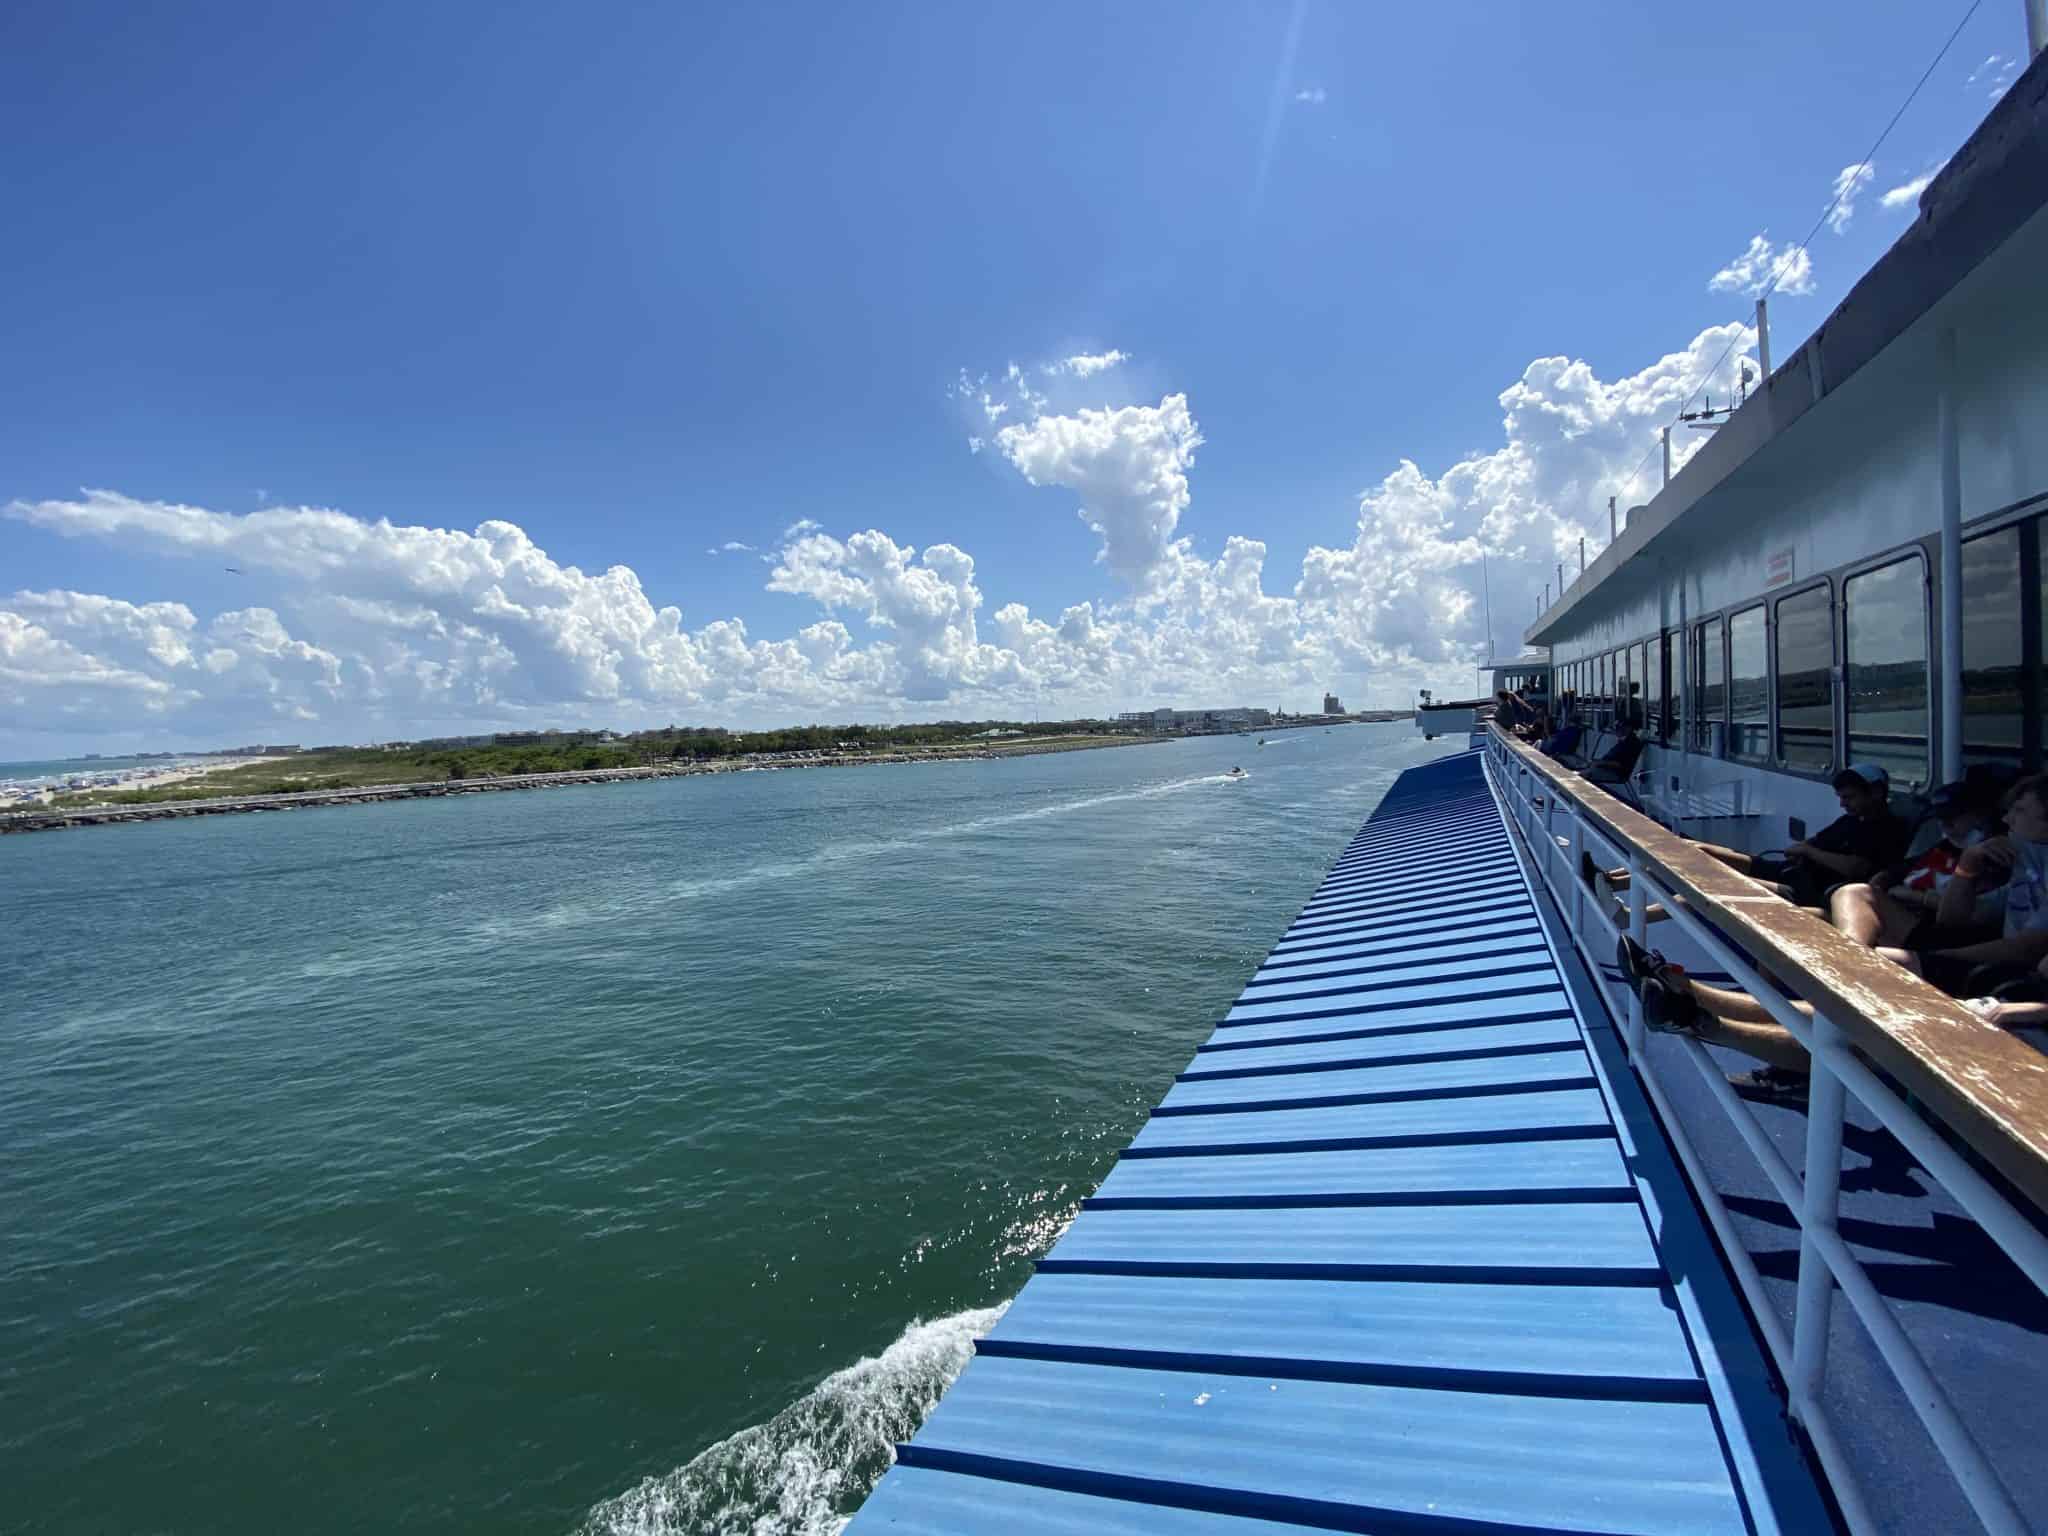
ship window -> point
(1638, 684)
(1749, 698)
(1994, 712)
(1661, 716)
(1620, 684)
(1806, 666)
(1885, 622)
(1707, 691)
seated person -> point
(1675, 1004)
(2019, 860)
(1619, 761)
(1917, 905)
(1564, 741)
(1513, 711)
(1868, 836)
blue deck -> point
(1397, 1253)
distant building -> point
(1194, 721)
(1332, 705)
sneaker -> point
(1771, 1085)
(1670, 1009)
(1639, 965)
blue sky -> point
(644, 281)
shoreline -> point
(47, 819)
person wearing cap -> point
(1916, 905)
(1999, 977)
(1868, 836)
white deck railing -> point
(1988, 1087)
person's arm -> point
(1956, 909)
(2027, 947)
(1847, 866)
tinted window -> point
(1884, 616)
(1749, 700)
(1707, 693)
(1806, 694)
(1994, 717)
(1667, 706)
(1639, 674)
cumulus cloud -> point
(1907, 193)
(1405, 593)
(1764, 268)
(1130, 467)
(1313, 95)
(1850, 184)
(355, 629)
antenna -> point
(1486, 592)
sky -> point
(374, 371)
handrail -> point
(1989, 1087)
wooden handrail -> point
(1988, 1086)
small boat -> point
(1237, 773)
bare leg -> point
(1769, 1043)
(1741, 863)
(1870, 916)
(1737, 1007)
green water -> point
(642, 1157)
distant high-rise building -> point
(1332, 705)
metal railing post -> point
(1638, 929)
(1817, 1213)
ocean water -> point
(637, 1158)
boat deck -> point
(1400, 1251)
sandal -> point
(1639, 965)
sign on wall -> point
(1778, 568)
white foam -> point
(865, 854)
(803, 1472)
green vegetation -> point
(567, 752)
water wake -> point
(803, 1472)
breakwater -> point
(56, 818)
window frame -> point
(1696, 655)
(1918, 552)
(1837, 639)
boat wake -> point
(865, 854)
(804, 1472)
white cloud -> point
(1907, 194)
(1130, 467)
(730, 547)
(1406, 594)
(356, 630)
(1314, 96)
(1764, 268)
(1996, 74)
(1850, 183)
(1086, 364)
